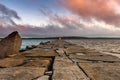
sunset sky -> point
(51, 18)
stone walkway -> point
(60, 60)
(78, 63)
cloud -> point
(35, 31)
(67, 20)
(85, 18)
(29, 31)
(4, 11)
(7, 15)
(102, 10)
(58, 25)
(77, 23)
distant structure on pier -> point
(60, 38)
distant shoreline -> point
(73, 38)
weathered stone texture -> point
(64, 69)
(12, 61)
(102, 71)
(21, 73)
(10, 45)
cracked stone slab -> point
(12, 61)
(64, 69)
(79, 49)
(94, 58)
(21, 73)
(102, 71)
(60, 51)
(38, 63)
(38, 52)
(45, 77)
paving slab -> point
(78, 49)
(12, 61)
(37, 52)
(61, 52)
(38, 63)
(21, 73)
(45, 46)
(64, 69)
(95, 58)
(45, 77)
(102, 71)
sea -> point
(27, 42)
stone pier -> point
(58, 60)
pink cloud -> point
(104, 10)
(67, 20)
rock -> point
(39, 52)
(60, 52)
(49, 73)
(12, 61)
(29, 47)
(42, 43)
(38, 63)
(98, 57)
(21, 73)
(45, 46)
(76, 49)
(45, 77)
(64, 69)
(22, 50)
(102, 71)
(6, 77)
(10, 45)
(34, 46)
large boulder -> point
(10, 45)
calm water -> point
(26, 42)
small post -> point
(60, 38)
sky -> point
(51, 18)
